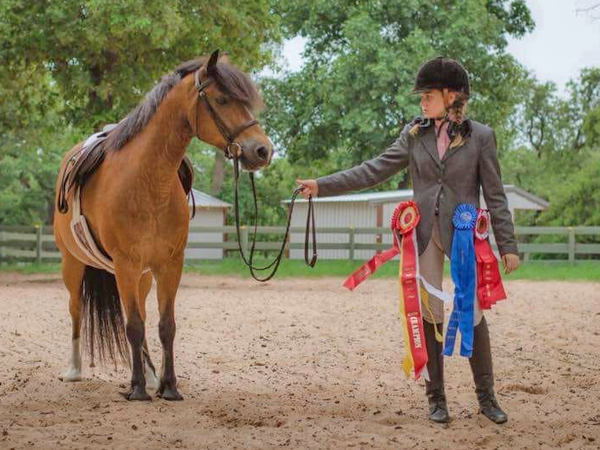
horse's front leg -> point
(128, 279)
(167, 282)
(152, 382)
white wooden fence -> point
(36, 243)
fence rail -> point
(36, 243)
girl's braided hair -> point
(457, 110)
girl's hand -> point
(510, 262)
(311, 188)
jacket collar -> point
(429, 139)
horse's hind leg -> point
(72, 273)
(149, 369)
(167, 282)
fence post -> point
(351, 239)
(571, 245)
(38, 242)
(244, 239)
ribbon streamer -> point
(462, 269)
(364, 271)
(404, 221)
(489, 282)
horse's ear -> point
(212, 62)
(224, 58)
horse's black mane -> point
(230, 80)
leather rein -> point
(233, 151)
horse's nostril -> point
(262, 153)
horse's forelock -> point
(237, 85)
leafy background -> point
(68, 68)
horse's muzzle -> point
(255, 157)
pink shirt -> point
(442, 138)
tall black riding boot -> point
(434, 388)
(483, 374)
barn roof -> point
(407, 194)
(528, 195)
(203, 200)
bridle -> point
(233, 151)
(227, 134)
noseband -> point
(233, 150)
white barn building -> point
(374, 209)
(210, 212)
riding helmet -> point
(442, 72)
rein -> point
(230, 137)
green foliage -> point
(29, 164)
(67, 68)
(577, 200)
(352, 95)
(559, 155)
(103, 55)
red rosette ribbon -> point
(489, 282)
(404, 219)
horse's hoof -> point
(138, 394)
(170, 393)
(71, 375)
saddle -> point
(77, 171)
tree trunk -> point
(218, 173)
(405, 182)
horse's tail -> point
(102, 317)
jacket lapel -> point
(428, 141)
(452, 151)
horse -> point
(137, 212)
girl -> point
(449, 158)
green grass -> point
(287, 268)
(30, 268)
(584, 270)
(546, 271)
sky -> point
(562, 43)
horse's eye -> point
(222, 101)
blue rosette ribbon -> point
(462, 270)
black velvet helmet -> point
(442, 72)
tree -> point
(559, 149)
(104, 55)
(352, 95)
(577, 202)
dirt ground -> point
(301, 364)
